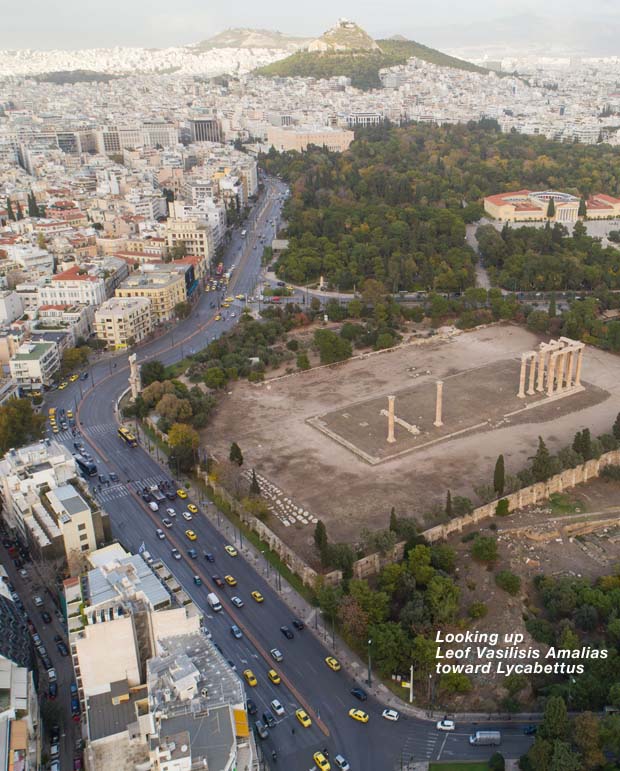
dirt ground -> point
(480, 370)
(590, 556)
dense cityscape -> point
(309, 423)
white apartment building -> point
(73, 286)
(123, 321)
(195, 233)
(34, 364)
(42, 504)
(160, 133)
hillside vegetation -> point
(361, 66)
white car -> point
(153, 506)
(171, 512)
(186, 515)
(390, 714)
(160, 533)
(37, 601)
(166, 522)
(276, 655)
(341, 763)
(237, 601)
(446, 725)
(277, 708)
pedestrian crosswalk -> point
(418, 748)
(97, 430)
(139, 484)
(107, 493)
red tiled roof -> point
(71, 274)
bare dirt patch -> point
(269, 422)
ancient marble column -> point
(439, 405)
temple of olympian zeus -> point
(555, 368)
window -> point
(85, 547)
(82, 526)
(83, 536)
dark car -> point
(530, 730)
(359, 693)
(75, 705)
(299, 625)
(62, 649)
(54, 734)
(261, 730)
(103, 479)
(47, 619)
(217, 581)
(209, 557)
(52, 690)
(198, 580)
(269, 719)
(287, 632)
(113, 476)
(58, 638)
(84, 376)
(192, 553)
(252, 710)
(147, 497)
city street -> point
(306, 679)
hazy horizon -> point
(156, 25)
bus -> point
(87, 467)
(126, 435)
(220, 269)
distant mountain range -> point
(252, 38)
(347, 50)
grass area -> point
(561, 503)
(155, 439)
(458, 767)
(178, 368)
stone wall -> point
(528, 495)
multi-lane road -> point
(306, 679)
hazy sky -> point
(160, 23)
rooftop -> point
(108, 714)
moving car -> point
(191, 535)
(258, 596)
(176, 554)
(187, 516)
(277, 707)
(166, 522)
(359, 693)
(250, 678)
(303, 717)
(332, 663)
(359, 715)
(193, 508)
(236, 632)
(230, 580)
(192, 554)
(530, 730)
(287, 632)
(181, 493)
(299, 625)
(276, 655)
(274, 677)
(230, 550)
(269, 718)
(341, 763)
(261, 729)
(237, 601)
(321, 761)
(217, 580)
(209, 557)
(198, 580)
(153, 506)
(446, 725)
(160, 533)
(390, 714)
(171, 513)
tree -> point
(393, 520)
(583, 209)
(303, 363)
(503, 508)
(563, 758)
(442, 596)
(455, 682)
(586, 735)
(551, 208)
(320, 535)
(254, 486)
(497, 762)
(616, 427)
(235, 455)
(184, 441)
(19, 214)
(182, 310)
(19, 424)
(582, 444)
(215, 378)
(373, 292)
(499, 476)
(151, 371)
(9, 210)
(332, 347)
(74, 358)
(448, 504)
(484, 549)
(178, 251)
(542, 464)
(555, 723)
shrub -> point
(477, 610)
(293, 345)
(484, 549)
(496, 761)
(502, 509)
(508, 581)
(541, 630)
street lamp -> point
(369, 681)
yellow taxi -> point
(55, 430)
(181, 493)
(193, 508)
(240, 297)
(274, 677)
(258, 597)
(191, 535)
(69, 413)
(73, 378)
(225, 305)
(218, 317)
(63, 385)
(321, 761)
(303, 717)
(229, 299)
(333, 663)
(250, 678)
(52, 421)
(230, 580)
(359, 715)
(230, 550)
